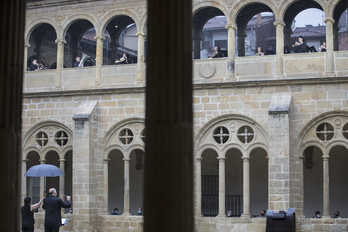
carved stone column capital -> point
(140, 34)
(199, 159)
(231, 27)
(221, 159)
(246, 158)
(126, 160)
(279, 23)
(99, 37)
(329, 20)
(60, 41)
(106, 160)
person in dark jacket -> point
(52, 205)
(301, 45)
(28, 214)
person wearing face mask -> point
(317, 214)
(229, 214)
(263, 213)
(140, 211)
(115, 212)
(34, 66)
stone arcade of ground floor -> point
(274, 144)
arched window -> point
(209, 31)
(42, 47)
(255, 29)
(338, 174)
(136, 176)
(304, 18)
(210, 183)
(313, 180)
(341, 26)
(116, 181)
(33, 183)
(258, 181)
(234, 182)
(52, 158)
(121, 39)
(80, 43)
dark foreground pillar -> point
(168, 198)
(11, 78)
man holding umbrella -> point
(52, 205)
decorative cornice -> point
(222, 85)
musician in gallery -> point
(300, 46)
(217, 52)
(34, 66)
(123, 60)
(77, 62)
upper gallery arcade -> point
(56, 34)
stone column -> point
(99, 59)
(86, 166)
(241, 42)
(42, 179)
(280, 49)
(231, 51)
(280, 148)
(330, 60)
(24, 179)
(60, 63)
(126, 196)
(246, 186)
(222, 212)
(199, 186)
(11, 85)
(169, 127)
(105, 207)
(61, 179)
(326, 187)
(26, 56)
(299, 204)
(141, 57)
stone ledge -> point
(224, 85)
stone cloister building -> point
(269, 132)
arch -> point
(284, 7)
(115, 180)
(201, 5)
(227, 117)
(142, 23)
(233, 146)
(324, 116)
(257, 146)
(240, 5)
(114, 14)
(334, 6)
(336, 143)
(108, 135)
(133, 147)
(136, 179)
(75, 17)
(38, 126)
(35, 23)
(114, 147)
(206, 147)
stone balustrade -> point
(296, 66)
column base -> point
(246, 216)
(57, 88)
(198, 215)
(97, 85)
(279, 76)
(126, 214)
(329, 74)
(221, 215)
(326, 216)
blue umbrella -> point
(45, 170)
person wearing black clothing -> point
(123, 60)
(28, 214)
(77, 62)
(34, 66)
(53, 204)
(300, 46)
(217, 52)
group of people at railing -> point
(79, 62)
